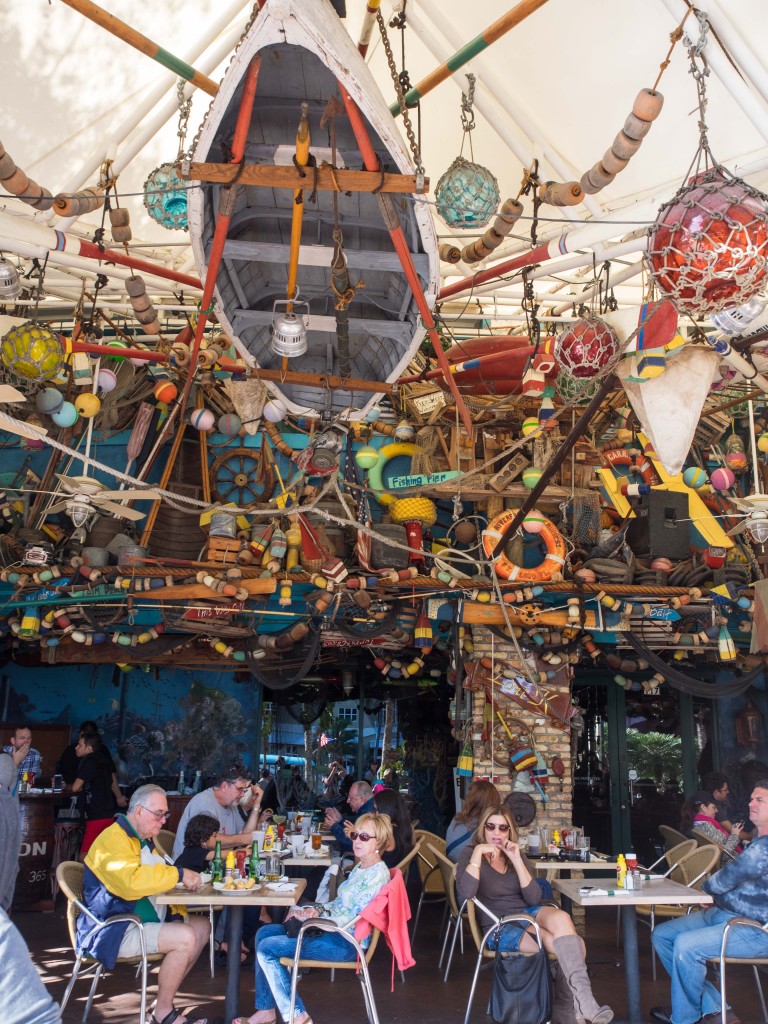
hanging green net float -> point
(569, 387)
(31, 351)
(467, 195)
(165, 197)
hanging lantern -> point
(10, 286)
(165, 197)
(708, 247)
(467, 195)
(289, 328)
(31, 351)
(586, 347)
(749, 726)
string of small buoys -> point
(143, 309)
(511, 211)
(645, 110)
(120, 224)
(14, 180)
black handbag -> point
(522, 988)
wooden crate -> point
(222, 550)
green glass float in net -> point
(165, 197)
(575, 389)
(467, 195)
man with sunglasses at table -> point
(223, 802)
(123, 873)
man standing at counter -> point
(26, 758)
(222, 801)
(123, 871)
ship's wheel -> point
(240, 476)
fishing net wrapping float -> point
(585, 347)
(31, 351)
(467, 195)
(707, 248)
(165, 197)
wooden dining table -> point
(259, 896)
(654, 893)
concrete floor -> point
(423, 999)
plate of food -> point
(235, 888)
(324, 851)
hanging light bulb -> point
(10, 285)
(289, 328)
(758, 530)
(726, 648)
(347, 681)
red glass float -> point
(585, 347)
(708, 247)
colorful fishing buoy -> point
(534, 522)
(66, 416)
(202, 419)
(230, 424)
(531, 476)
(48, 401)
(722, 479)
(529, 425)
(762, 443)
(106, 380)
(585, 347)
(694, 477)
(405, 431)
(165, 391)
(88, 405)
(275, 410)
(366, 457)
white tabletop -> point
(259, 896)
(551, 866)
(661, 892)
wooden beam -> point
(475, 613)
(325, 179)
(319, 380)
(199, 592)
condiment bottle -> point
(229, 871)
(621, 870)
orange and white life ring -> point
(534, 523)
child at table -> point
(199, 830)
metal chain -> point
(700, 70)
(401, 99)
(467, 99)
(185, 105)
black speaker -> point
(662, 528)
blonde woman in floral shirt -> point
(370, 838)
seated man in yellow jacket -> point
(123, 872)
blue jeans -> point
(511, 935)
(684, 946)
(273, 981)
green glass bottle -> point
(217, 864)
(254, 864)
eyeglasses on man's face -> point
(364, 836)
(159, 815)
(502, 827)
(238, 786)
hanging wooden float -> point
(306, 55)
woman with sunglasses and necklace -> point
(371, 836)
(493, 869)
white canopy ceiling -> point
(557, 88)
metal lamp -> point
(10, 285)
(289, 328)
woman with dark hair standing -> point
(481, 795)
(389, 801)
(493, 869)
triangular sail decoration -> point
(669, 406)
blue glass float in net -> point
(165, 197)
(467, 195)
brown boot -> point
(571, 959)
(562, 1000)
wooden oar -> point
(144, 45)
(297, 215)
(471, 49)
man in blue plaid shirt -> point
(26, 758)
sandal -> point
(174, 1016)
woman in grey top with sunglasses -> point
(493, 869)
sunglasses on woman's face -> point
(503, 827)
(362, 835)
